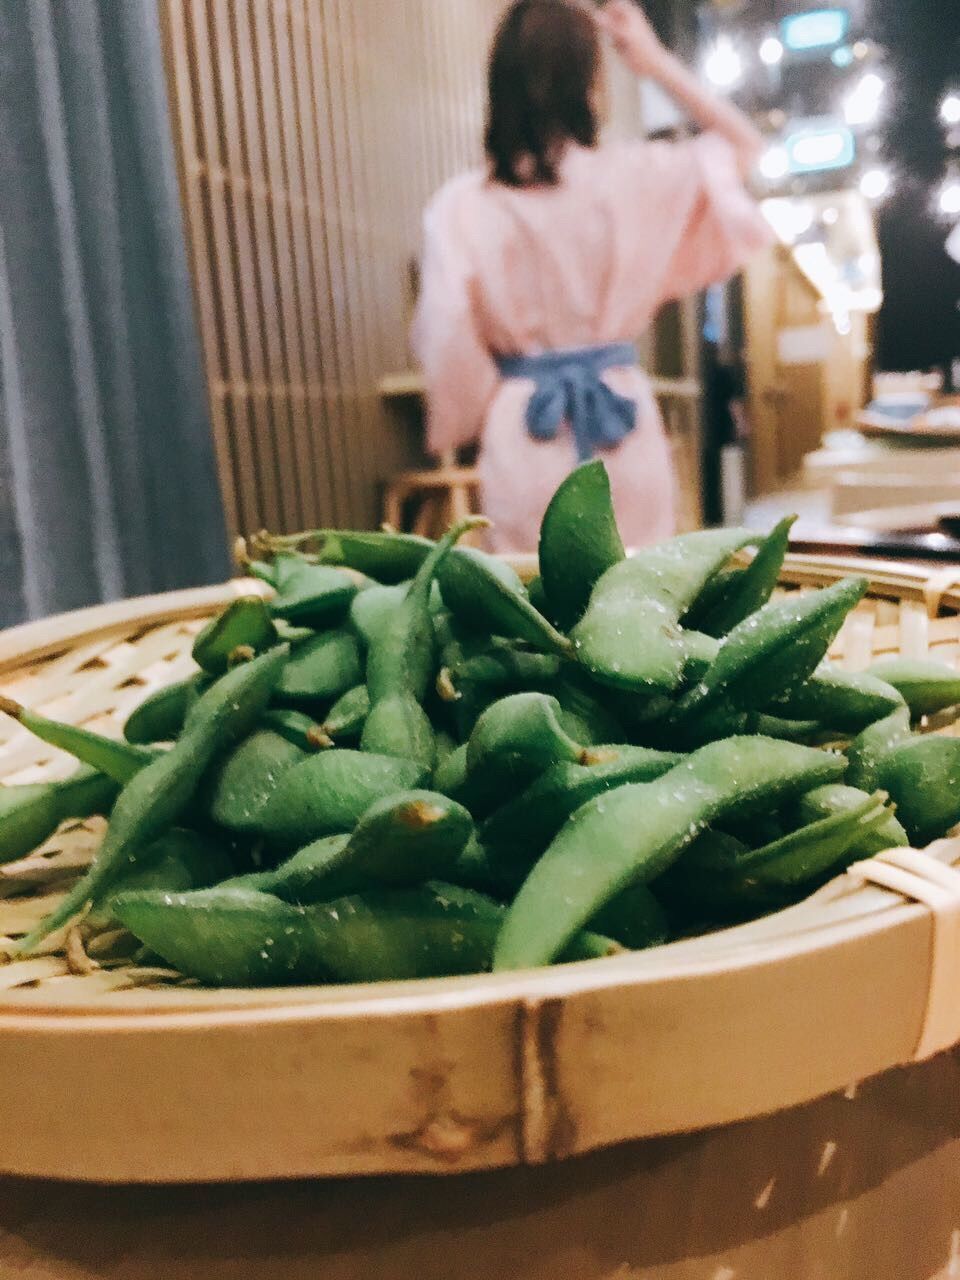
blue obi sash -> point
(569, 388)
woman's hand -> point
(633, 36)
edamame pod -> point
(223, 936)
(348, 715)
(237, 937)
(321, 669)
(115, 758)
(517, 833)
(629, 636)
(579, 542)
(926, 686)
(583, 714)
(371, 610)
(244, 624)
(329, 793)
(312, 594)
(514, 741)
(506, 667)
(871, 745)
(245, 780)
(31, 813)
(765, 659)
(839, 700)
(179, 862)
(719, 876)
(634, 918)
(749, 590)
(160, 717)
(297, 727)
(159, 794)
(388, 557)
(480, 594)
(400, 665)
(400, 841)
(835, 797)
(631, 835)
(922, 776)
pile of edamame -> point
(406, 764)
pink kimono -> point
(521, 271)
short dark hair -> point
(543, 68)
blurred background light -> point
(876, 183)
(862, 105)
(724, 64)
(771, 51)
(818, 29)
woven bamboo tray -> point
(114, 1073)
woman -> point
(541, 271)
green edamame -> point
(479, 593)
(631, 835)
(178, 862)
(297, 727)
(30, 813)
(839, 700)
(517, 833)
(160, 717)
(116, 759)
(400, 841)
(629, 636)
(388, 557)
(348, 715)
(400, 665)
(765, 659)
(328, 793)
(922, 776)
(719, 876)
(836, 797)
(312, 594)
(871, 745)
(155, 798)
(244, 781)
(245, 624)
(748, 590)
(579, 542)
(926, 686)
(237, 937)
(634, 918)
(321, 669)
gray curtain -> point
(108, 484)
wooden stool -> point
(442, 497)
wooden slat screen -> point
(310, 134)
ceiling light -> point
(949, 199)
(818, 29)
(724, 65)
(875, 184)
(774, 164)
(771, 51)
(950, 109)
(831, 216)
(814, 150)
(842, 57)
(862, 104)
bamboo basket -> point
(128, 1074)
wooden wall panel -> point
(310, 135)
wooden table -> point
(858, 1186)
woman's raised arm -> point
(638, 44)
